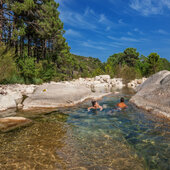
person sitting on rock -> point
(121, 105)
(95, 105)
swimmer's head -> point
(93, 103)
(122, 99)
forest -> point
(33, 49)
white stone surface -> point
(11, 96)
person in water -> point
(121, 105)
(95, 105)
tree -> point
(154, 62)
(131, 56)
(164, 64)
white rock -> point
(96, 82)
(105, 77)
(20, 106)
(97, 78)
(7, 102)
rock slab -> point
(154, 94)
(56, 95)
(9, 123)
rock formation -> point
(135, 83)
(154, 94)
(9, 123)
(53, 94)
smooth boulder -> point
(154, 94)
(9, 123)
(56, 95)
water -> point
(73, 138)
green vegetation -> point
(129, 65)
(33, 49)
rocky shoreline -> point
(50, 95)
(56, 94)
(153, 95)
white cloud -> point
(88, 44)
(129, 33)
(125, 39)
(88, 11)
(129, 39)
(73, 33)
(160, 31)
(138, 31)
(120, 21)
(149, 7)
(112, 38)
(108, 28)
(102, 18)
(166, 3)
(75, 19)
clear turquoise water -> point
(74, 138)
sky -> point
(101, 28)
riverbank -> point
(69, 93)
(56, 94)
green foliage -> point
(109, 69)
(143, 66)
(116, 59)
(26, 67)
(129, 65)
(7, 64)
(45, 71)
(154, 62)
(37, 81)
(15, 78)
(130, 57)
(164, 64)
(127, 73)
(33, 30)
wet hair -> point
(93, 102)
(122, 99)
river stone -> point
(154, 94)
(7, 102)
(56, 95)
(9, 123)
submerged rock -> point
(154, 94)
(9, 123)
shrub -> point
(129, 73)
(7, 64)
(26, 67)
(45, 70)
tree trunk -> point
(9, 35)
(1, 20)
(43, 43)
(21, 46)
(16, 47)
(29, 45)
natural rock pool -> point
(73, 138)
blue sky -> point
(100, 28)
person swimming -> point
(121, 105)
(95, 105)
